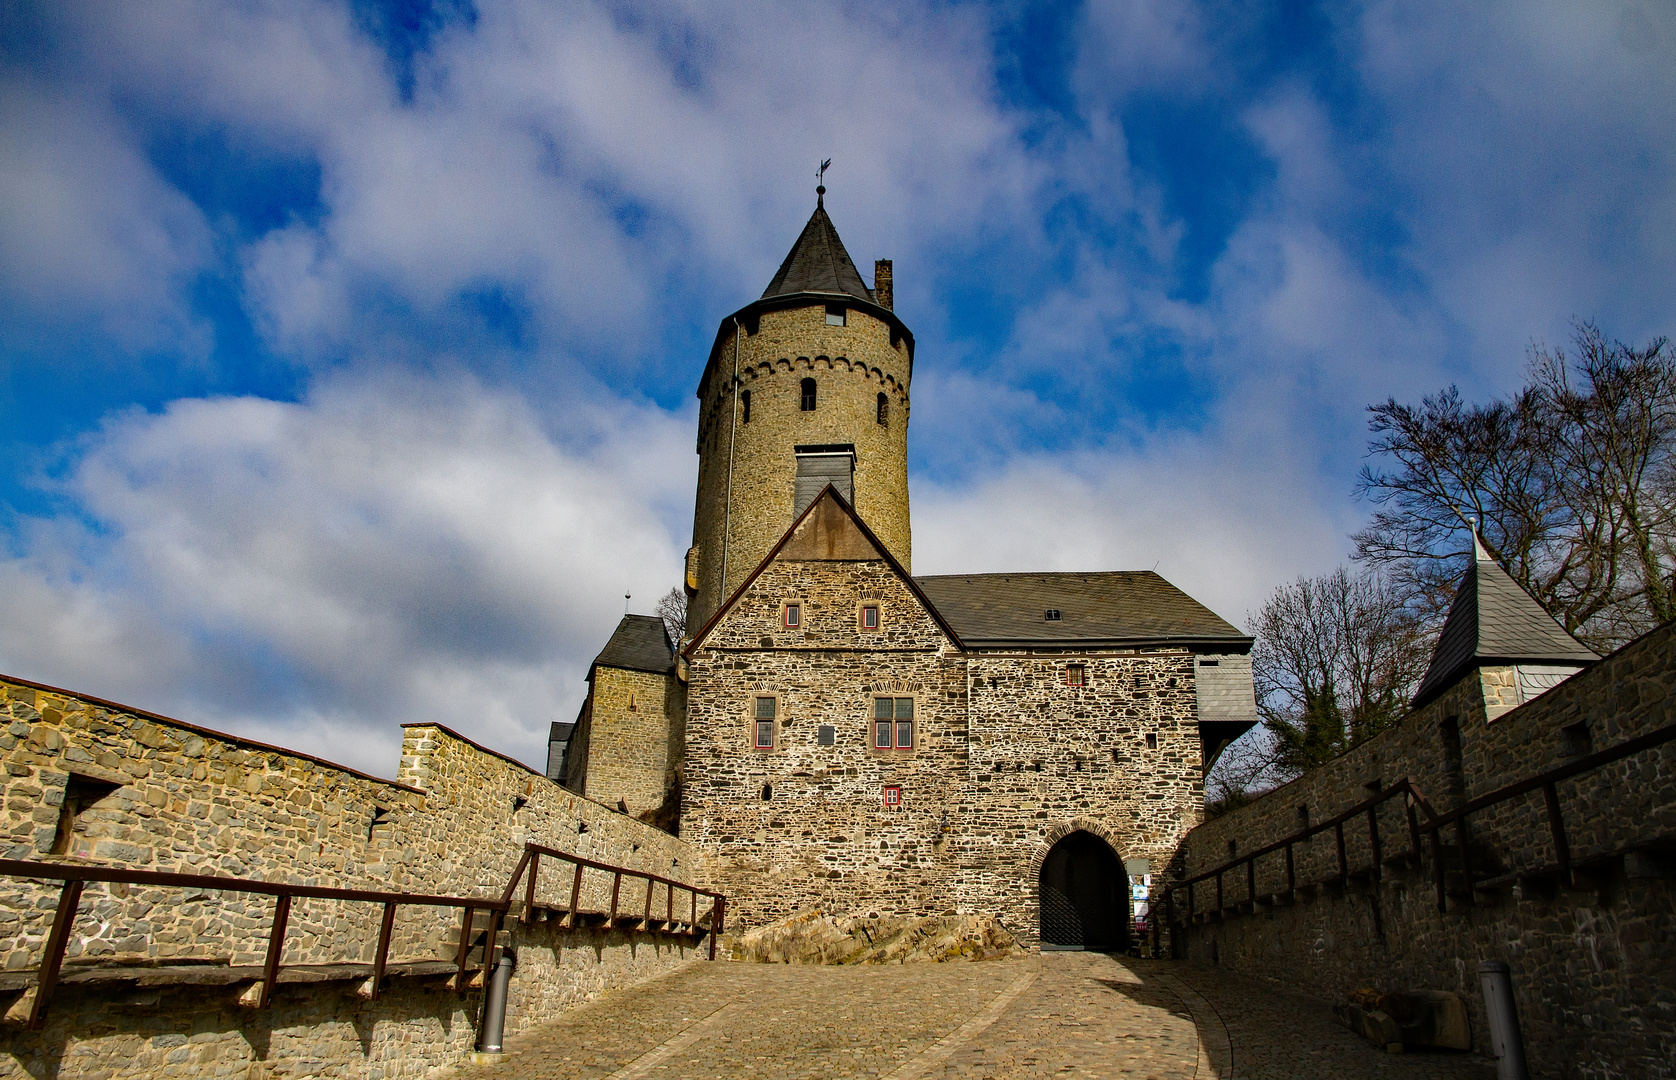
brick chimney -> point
(882, 291)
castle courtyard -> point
(1061, 1014)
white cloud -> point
(318, 573)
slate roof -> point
(1493, 619)
(640, 643)
(1114, 607)
(560, 732)
(818, 263)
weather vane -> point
(820, 177)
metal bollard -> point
(1505, 1039)
(494, 1005)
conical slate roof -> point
(1492, 619)
(818, 263)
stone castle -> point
(836, 733)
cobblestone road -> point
(1061, 1015)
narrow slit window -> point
(1076, 675)
(745, 407)
(806, 399)
(794, 616)
(884, 409)
(835, 315)
(870, 617)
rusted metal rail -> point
(711, 921)
(76, 875)
(1415, 803)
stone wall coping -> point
(211, 732)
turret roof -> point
(640, 643)
(818, 263)
(1493, 619)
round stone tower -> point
(805, 386)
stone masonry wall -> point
(851, 365)
(153, 793)
(634, 738)
(1046, 758)
(1007, 758)
(1595, 983)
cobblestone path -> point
(1060, 1015)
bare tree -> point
(1336, 660)
(673, 609)
(1570, 485)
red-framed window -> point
(869, 616)
(893, 797)
(792, 616)
(1076, 675)
(766, 712)
(893, 723)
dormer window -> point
(835, 315)
(806, 400)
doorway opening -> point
(1084, 895)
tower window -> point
(1051, 614)
(884, 409)
(745, 407)
(807, 402)
(835, 315)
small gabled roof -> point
(818, 263)
(1106, 608)
(826, 542)
(640, 643)
(560, 731)
(1493, 620)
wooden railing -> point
(75, 877)
(572, 913)
(1415, 804)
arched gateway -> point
(1084, 895)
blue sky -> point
(348, 348)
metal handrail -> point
(1433, 825)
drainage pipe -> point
(1505, 1039)
(494, 1005)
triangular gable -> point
(836, 533)
(1493, 619)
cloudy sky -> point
(347, 349)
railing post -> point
(616, 888)
(384, 929)
(1463, 838)
(718, 911)
(1343, 865)
(669, 907)
(491, 947)
(646, 916)
(1414, 856)
(692, 923)
(69, 898)
(465, 949)
(1373, 841)
(1556, 826)
(575, 896)
(529, 887)
(1437, 866)
(276, 946)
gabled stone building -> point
(856, 739)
